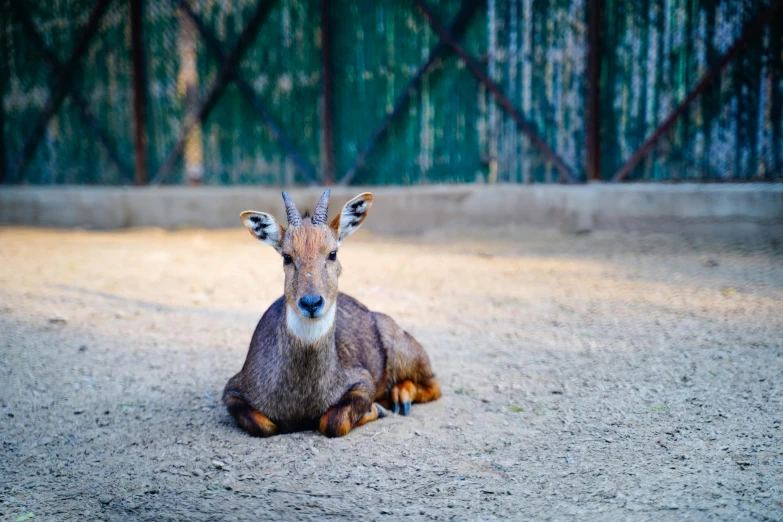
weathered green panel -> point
(541, 59)
(656, 51)
(68, 152)
(283, 66)
(451, 130)
(380, 46)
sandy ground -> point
(598, 377)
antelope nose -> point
(311, 304)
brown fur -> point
(250, 420)
(309, 246)
(329, 384)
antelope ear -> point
(263, 227)
(351, 216)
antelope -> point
(319, 358)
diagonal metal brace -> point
(59, 90)
(214, 45)
(77, 98)
(458, 27)
(524, 125)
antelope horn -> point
(321, 209)
(294, 217)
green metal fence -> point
(390, 92)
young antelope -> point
(319, 358)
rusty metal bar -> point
(457, 29)
(57, 95)
(214, 45)
(2, 132)
(525, 126)
(2, 140)
(139, 90)
(327, 84)
(594, 12)
(752, 29)
(217, 87)
(77, 98)
(4, 74)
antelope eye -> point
(287, 259)
(333, 255)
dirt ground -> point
(595, 377)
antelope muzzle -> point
(312, 305)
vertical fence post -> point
(3, 79)
(139, 90)
(492, 109)
(594, 9)
(328, 93)
(2, 136)
(4, 74)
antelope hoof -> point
(402, 395)
(382, 412)
(406, 408)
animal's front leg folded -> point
(354, 409)
(251, 420)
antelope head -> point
(309, 248)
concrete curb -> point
(729, 211)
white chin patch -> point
(309, 331)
